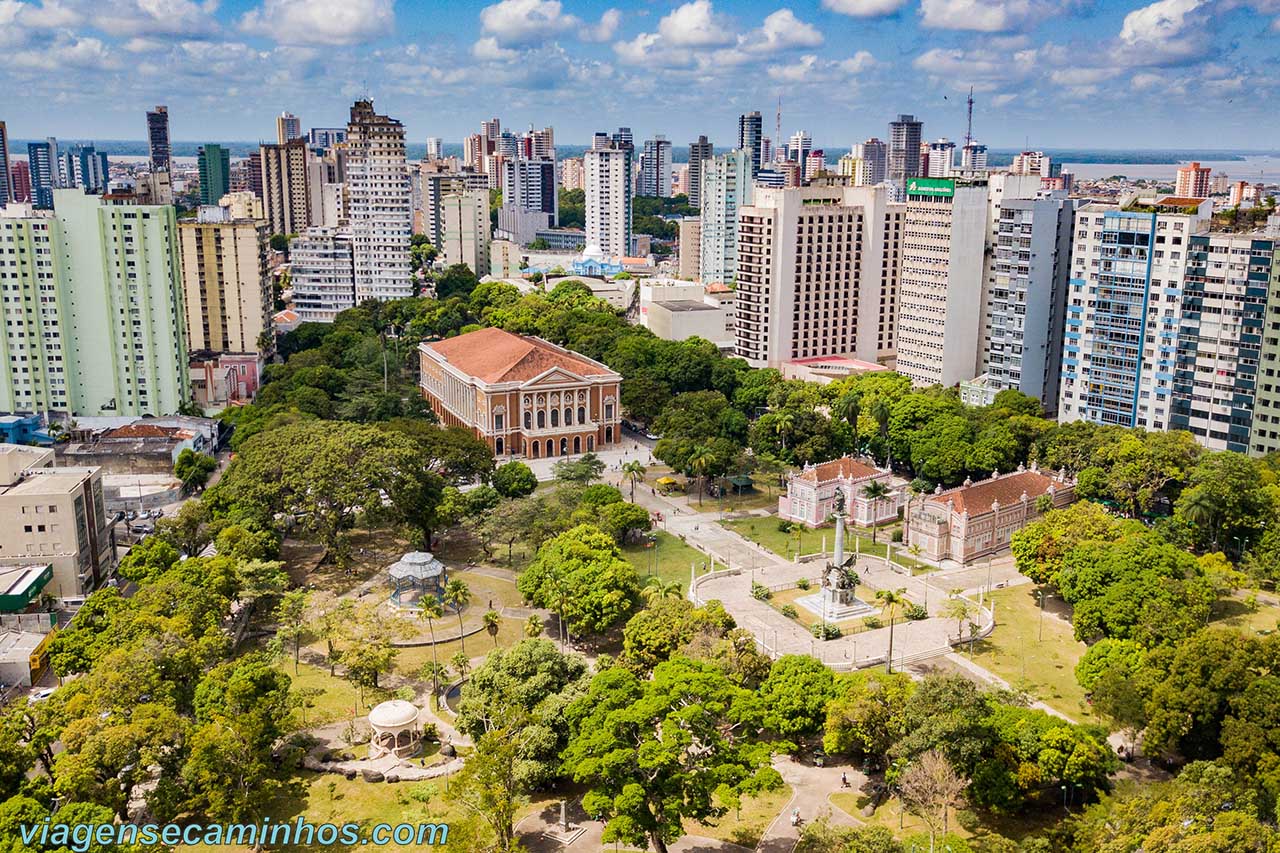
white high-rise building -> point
(875, 156)
(726, 187)
(699, 152)
(973, 157)
(465, 238)
(655, 168)
(288, 128)
(435, 148)
(322, 274)
(608, 199)
(530, 186)
(942, 158)
(940, 304)
(381, 205)
(1032, 163)
(817, 274)
(798, 148)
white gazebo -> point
(395, 729)
(417, 570)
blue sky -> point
(1055, 73)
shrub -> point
(784, 526)
(789, 611)
(803, 583)
(897, 535)
(915, 612)
(826, 631)
(872, 622)
(760, 592)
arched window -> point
(582, 414)
(608, 435)
(564, 447)
(551, 448)
(555, 417)
(528, 420)
(535, 447)
(577, 444)
(591, 443)
(497, 447)
(542, 419)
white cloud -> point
(783, 30)
(860, 61)
(320, 22)
(810, 69)
(989, 16)
(1165, 32)
(144, 45)
(50, 14)
(605, 29)
(864, 8)
(68, 52)
(489, 50)
(525, 22)
(695, 24)
(1003, 99)
(1162, 20)
(126, 18)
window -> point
(497, 446)
(568, 417)
(497, 421)
(542, 419)
(582, 415)
(555, 417)
(608, 412)
(528, 420)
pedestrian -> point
(844, 780)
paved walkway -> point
(813, 787)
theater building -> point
(520, 394)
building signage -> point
(941, 187)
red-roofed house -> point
(811, 493)
(520, 394)
(978, 519)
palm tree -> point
(431, 609)
(958, 609)
(534, 626)
(656, 590)
(1201, 509)
(456, 595)
(783, 423)
(492, 622)
(890, 600)
(849, 408)
(875, 491)
(700, 462)
(633, 471)
(437, 672)
(880, 411)
(461, 663)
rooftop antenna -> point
(968, 134)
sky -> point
(1048, 73)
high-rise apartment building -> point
(798, 148)
(942, 158)
(572, 174)
(158, 140)
(699, 151)
(20, 181)
(225, 282)
(1193, 181)
(434, 180)
(491, 129)
(726, 188)
(6, 185)
(465, 237)
(1265, 435)
(540, 144)
(381, 204)
(435, 148)
(940, 296)
(215, 173)
(655, 168)
(973, 157)
(95, 322)
(1124, 309)
(326, 137)
(875, 155)
(85, 167)
(904, 148)
(817, 274)
(1024, 313)
(690, 263)
(322, 274)
(42, 160)
(242, 205)
(285, 197)
(750, 133)
(608, 199)
(530, 186)
(1032, 163)
(288, 128)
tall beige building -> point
(55, 516)
(380, 205)
(691, 248)
(817, 274)
(286, 202)
(1193, 181)
(242, 205)
(225, 282)
(465, 237)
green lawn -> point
(962, 823)
(1262, 617)
(1042, 666)
(765, 532)
(808, 619)
(745, 826)
(673, 557)
(337, 699)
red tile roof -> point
(494, 356)
(1007, 489)
(142, 430)
(847, 467)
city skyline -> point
(843, 68)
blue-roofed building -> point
(23, 429)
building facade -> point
(978, 520)
(465, 238)
(811, 496)
(215, 174)
(55, 516)
(1124, 310)
(286, 201)
(381, 204)
(95, 321)
(608, 199)
(6, 185)
(655, 168)
(522, 395)
(288, 128)
(1193, 181)
(1265, 435)
(817, 274)
(160, 153)
(726, 187)
(42, 162)
(940, 295)
(904, 148)
(226, 284)
(699, 151)
(323, 274)
(690, 265)
(750, 133)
